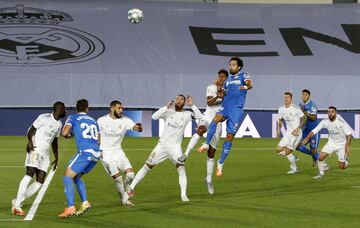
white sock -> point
(31, 190)
(209, 169)
(128, 179)
(321, 165)
(193, 141)
(22, 189)
(139, 176)
(182, 180)
(292, 160)
(119, 186)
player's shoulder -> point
(340, 119)
(125, 118)
(212, 86)
(245, 75)
(103, 118)
(45, 115)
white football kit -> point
(209, 114)
(338, 130)
(291, 116)
(169, 145)
(112, 132)
(47, 129)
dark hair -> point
(181, 95)
(82, 105)
(223, 71)
(306, 91)
(57, 105)
(332, 107)
(115, 102)
(238, 60)
(288, 93)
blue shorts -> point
(314, 141)
(233, 117)
(82, 163)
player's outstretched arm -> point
(248, 85)
(307, 138)
(55, 147)
(195, 109)
(30, 134)
(161, 113)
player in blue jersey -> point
(310, 111)
(86, 132)
(235, 91)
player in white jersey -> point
(294, 120)
(42, 135)
(113, 128)
(169, 145)
(214, 100)
(339, 140)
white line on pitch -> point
(13, 220)
(11, 166)
(39, 197)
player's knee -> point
(149, 166)
(342, 165)
(178, 165)
(201, 130)
(229, 137)
(211, 152)
(116, 176)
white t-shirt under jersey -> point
(211, 91)
(47, 129)
(174, 126)
(291, 116)
(338, 129)
(112, 131)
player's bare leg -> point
(211, 131)
(210, 170)
(193, 141)
(286, 152)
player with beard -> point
(113, 128)
(169, 145)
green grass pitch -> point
(254, 191)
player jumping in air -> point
(214, 99)
(113, 128)
(42, 135)
(86, 133)
(231, 110)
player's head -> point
(116, 108)
(180, 102)
(235, 65)
(332, 111)
(287, 98)
(222, 76)
(59, 109)
(306, 95)
(82, 105)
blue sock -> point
(304, 150)
(225, 151)
(69, 190)
(210, 132)
(316, 156)
(80, 185)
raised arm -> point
(195, 109)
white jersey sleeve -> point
(211, 91)
(344, 126)
(129, 125)
(38, 122)
(162, 113)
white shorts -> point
(339, 149)
(37, 160)
(206, 120)
(290, 141)
(160, 153)
(115, 160)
